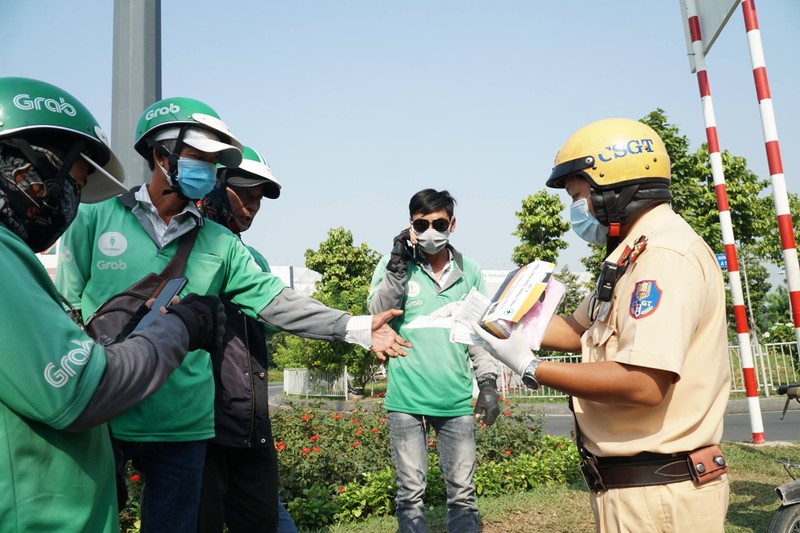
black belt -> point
(640, 470)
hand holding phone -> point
(164, 296)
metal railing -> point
(775, 364)
(305, 382)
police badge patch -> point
(644, 299)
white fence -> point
(305, 382)
(775, 364)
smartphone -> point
(164, 297)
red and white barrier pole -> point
(742, 331)
(779, 194)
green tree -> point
(540, 229)
(575, 292)
(346, 272)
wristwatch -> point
(529, 375)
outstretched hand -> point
(385, 340)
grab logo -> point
(112, 243)
(27, 103)
(58, 375)
(111, 265)
(413, 289)
(171, 109)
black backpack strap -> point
(177, 264)
(128, 199)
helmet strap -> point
(172, 159)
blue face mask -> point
(196, 178)
(585, 225)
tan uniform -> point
(667, 312)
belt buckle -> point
(591, 474)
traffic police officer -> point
(650, 393)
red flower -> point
(305, 450)
(506, 413)
(508, 452)
(356, 444)
(383, 420)
(336, 417)
(354, 421)
(500, 398)
(359, 431)
(431, 443)
(305, 417)
(313, 438)
(559, 446)
(341, 489)
(280, 446)
(374, 430)
(508, 404)
(135, 478)
(315, 449)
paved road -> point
(736, 426)
(737, 420)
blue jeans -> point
(285, 522)
(172, 474)
(456, 446)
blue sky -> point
(359, 104)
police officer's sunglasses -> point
(421, 225)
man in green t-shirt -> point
(57, 387)
(423, 274)
(113, 244)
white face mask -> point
(432, 241)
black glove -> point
(487, 406)
(204, 317)
(401, 252)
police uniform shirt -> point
(668, 313)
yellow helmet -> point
(612, 153)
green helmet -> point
(37, 112)
(171, 117)
(253, 170)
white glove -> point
(513, 352)
(445, 311)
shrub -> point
(129, 517)
(314, 509)
(326, 447)
(343, 459)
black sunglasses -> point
(440, 224)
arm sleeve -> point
(483, 364)
(135, 369)
(387, 290)
(304, 316)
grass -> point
(754, 473)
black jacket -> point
(241, 398)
